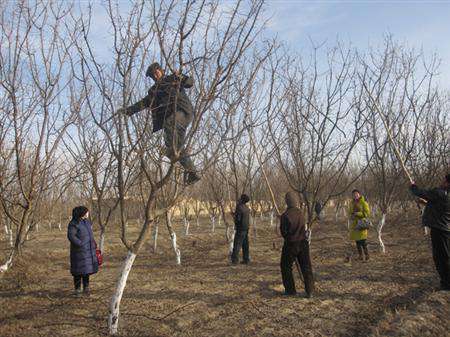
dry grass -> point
(391, 295)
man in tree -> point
(171, 111)
(296, 246)
(437, 217)
(241, 225)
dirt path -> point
(208, 297)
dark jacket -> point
(437, 211)
(83, 260)
(241, 218)
(164, 98)
(292, 225)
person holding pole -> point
(172, 111)
(436, 216)
(295, 247)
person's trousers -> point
(296, 252)
(361, 245)
(240, 241)
(77, 281)
(440, 241)
(175, 128)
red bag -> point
(98, 252)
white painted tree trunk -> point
(102, 240)
(220, 220)
(271, 220)
(425, 230)
(255, 232)
(198, 221)
(4, 267)
(37, 227)
(336, 214)
(213, 224)
(173, 237)
(50, 225)
(186, 227)
(379, 230)
(231, 242)
(113, 318)
(59, 226)
(155, 237)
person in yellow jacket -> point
(359, 210)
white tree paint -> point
(4, 267)
(155, 237)
(102, 240)
(173, 237)
(213, 223)
(220, 220)
(379, 229)
(113, 318)
(186, 227)
(271, 219)
(255, 232)
(231, 242)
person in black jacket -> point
(172, 111)
(241, 225)
(83, 259)
(436, 216)
(296, 247)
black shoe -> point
(86, 292)
(290, 293)
(245, 262)
(191, 178)
(234, 263)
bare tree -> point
(33, 83)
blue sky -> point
(424, 25)
(419, 24)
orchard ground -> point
(390, 295)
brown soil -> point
(391, 295)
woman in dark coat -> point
(83, 259)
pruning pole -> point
(388, 131)
(272, 195)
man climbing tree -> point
(172, 111)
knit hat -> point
(151, 70)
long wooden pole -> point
(272, 195)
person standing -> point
(83, 258)
(359, 211)
(241, 226)
(295, 247)
(172, 111)
(436, 216)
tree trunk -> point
(113, 318)
(4, 267)
(213, 224)
(173, 238)
(231, 241)
(102, 239)
(186, 227)
(271, 220)
(155, 237)
(255, 232)
(379, 229)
